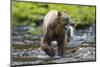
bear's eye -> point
(66, 20)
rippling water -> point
(25, 50)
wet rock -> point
(40, 53)
(27, 63)
(86, 53)
(18, 42)
(28, 42)
(83, 54)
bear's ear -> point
(59, 14)
(64, 11)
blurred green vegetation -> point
(32, 13)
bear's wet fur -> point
(54, 30)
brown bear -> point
(54, 30)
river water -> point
(26, 51)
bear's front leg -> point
(45, 45)
(61, 46)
